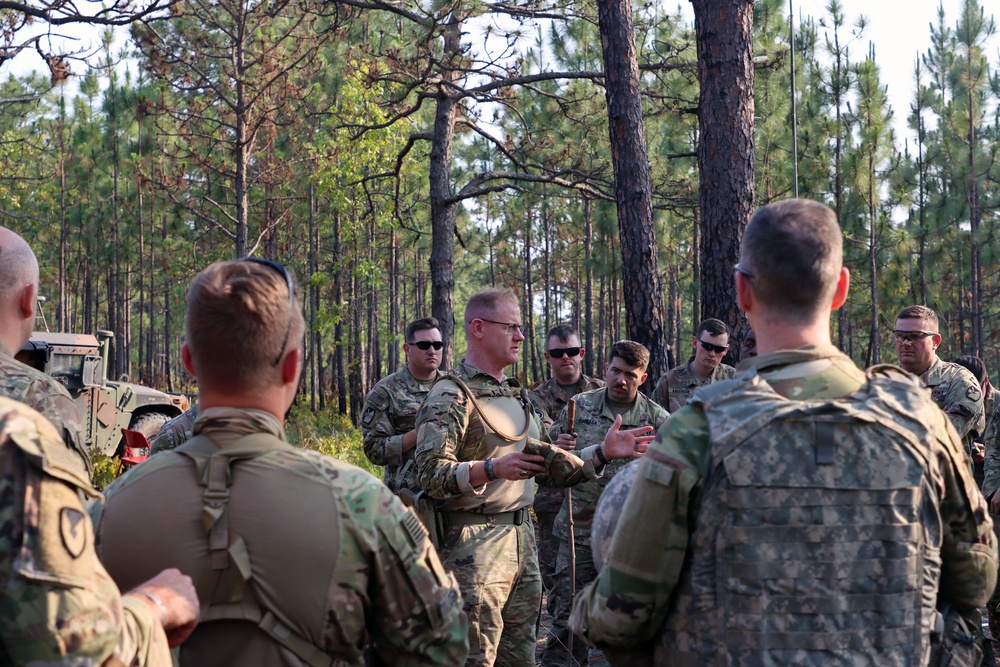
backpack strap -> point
(482, 415)
(214, 466)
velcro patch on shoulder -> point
(973, 393)
(414, 528)
(369, 416)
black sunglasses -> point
(558, 352)
(718, 349)
(428, 344)
(283, 272)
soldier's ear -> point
(28, 300)
(188, 359)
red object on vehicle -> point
(136, 447)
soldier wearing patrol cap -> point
(391, 406)
(805, 513)
(478, 453)
(299, 557)
(18, 304)
(57, 603)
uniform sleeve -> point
(991, 467)
(661, 393)
(59, 408)
(628, 601)
(57, 603)
(968, 546)
(443, 468)
(964, 405)
(417, 617)
(382, 446)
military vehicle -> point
(79, 362)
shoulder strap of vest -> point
(214, 474)
(482, 415)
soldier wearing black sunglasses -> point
(710, 342)
(391, 406)
(565, 355)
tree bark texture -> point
(726, 145)
(633, 191)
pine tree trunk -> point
(726, 146)
(633, 191)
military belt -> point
(515, 518)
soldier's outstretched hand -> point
(619, 444)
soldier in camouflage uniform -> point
(564, 354)
(477, 453)
(595, 412)
(780, 518)
(299, 557)
(391, 406)
(710, 343)
(175, 432)
(953, 388)
(57, 603)
(18, 302)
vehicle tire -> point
(149, 424)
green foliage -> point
(105, 469)
(329, 433)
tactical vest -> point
(261, 542)
(505, 419)
(818, 537)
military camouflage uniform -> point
(593, 419)
(628, 605)
(390, 412)
(488, 540)
(57, 603)
(327, 553)
(175, 432)
(956, 391)
(675, 388)
(43, 393)
(549, 398)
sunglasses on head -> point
(283, 272)
(718, 349)
(558, 352)
(428, 344)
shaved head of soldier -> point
(792, 255)
(18, 289)
(242, 320)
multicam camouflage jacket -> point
(550, 397)
(593, 419)
(57, 603)
(175, 432)
(675, 388)
(956, 391)
(326, 544)
(43, 393)
(389, 413)
(991, 466)
(623, 607)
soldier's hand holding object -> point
(566, 441)
(518, 466)
(619, 444)
(176, 601)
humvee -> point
(79, 362)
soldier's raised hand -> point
(619, 444)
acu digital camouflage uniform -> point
(593, 419)
(175, 432)
(307, 555)
(390, 412)
(675, 388)
(488, 541)
(58, 606)
(549, 398)
(956, 391)
(885, 531)
(43, 393)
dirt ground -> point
(597, 658)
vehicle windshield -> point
(67, 368)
